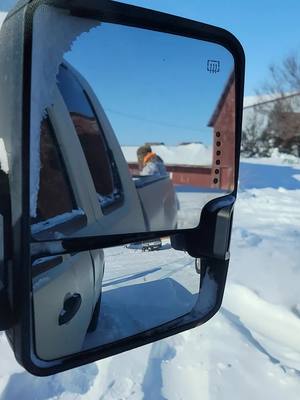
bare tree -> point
(285, 77)
(278, 112)
(253, 144)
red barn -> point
(220, 174)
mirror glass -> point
(90, 299)
(132, 123)
(132, 130)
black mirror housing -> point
(209, 241)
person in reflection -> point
(149, 162)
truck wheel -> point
(94, 320)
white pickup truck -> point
(84, 187)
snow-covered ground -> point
(250, 349)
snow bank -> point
(273, 326)
(278, 171)
(261, 176)
(189, 154)
(276, 158)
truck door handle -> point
(70, 308)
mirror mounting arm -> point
(212, 237)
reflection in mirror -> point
(137, 135)
(136, 288)
(139, 127)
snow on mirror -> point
(126, 123)
(128, 128)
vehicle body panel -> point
(147, 207)
(158, 199)
(73, 275)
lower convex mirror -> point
(87, 300)
(120, 177)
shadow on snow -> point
(259, 176)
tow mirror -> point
(119, 155)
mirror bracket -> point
(212, 237)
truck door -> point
(119, 207)
(63, 286)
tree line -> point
(274, 122)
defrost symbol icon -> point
(213, 66)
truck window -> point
(97, 153)
(56, 209)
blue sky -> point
(268, 29)
(152, 85)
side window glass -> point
(56, 210)
(99, 158)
